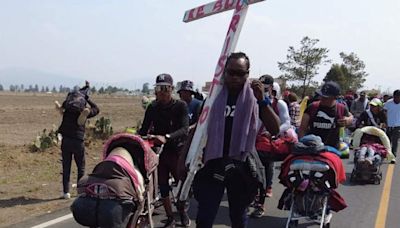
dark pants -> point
(166, 167)
(269, 174)
(72, 147)
(93, 212)
(394, 135)
(208, 191)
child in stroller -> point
(311, 175)
(122, 189)
(371, 147)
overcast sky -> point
(116, 41)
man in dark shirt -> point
(186, 93)
(374, 116)
(72, 129)
(323, 118)
(231, 138)
(169, 121)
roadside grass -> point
(30, 182)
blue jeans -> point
(208, 191)
(72, 147)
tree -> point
(47, 89)
(36, 88)
(355, 70)
(1, 87)
(42, 90)
(350, 75)
(12, 88)
(101, 90)
(337, 73)
(93, 90)
(145, 88)
(303, 64)
(54, 90)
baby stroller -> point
(369, 170)
(127, 176)
(310, 180)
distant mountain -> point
(25, 76)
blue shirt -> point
(194, 111)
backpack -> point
(75, 102)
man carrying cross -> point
(231, 138)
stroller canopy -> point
(374, 131)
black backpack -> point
(75, 102)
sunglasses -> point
(162, 88)
(238, 73)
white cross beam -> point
(194, 157)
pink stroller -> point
(125, 183)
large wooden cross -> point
(199, 140)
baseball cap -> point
(376, 102)
(267, 79)
(186, 85)
(164, 79)
(329, 89)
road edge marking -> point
(54, 221)
(381, 216)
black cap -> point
(329, 89)
(186, 85)
(267, 79)
(164, 79)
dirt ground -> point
(30, 183)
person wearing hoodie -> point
(273, 92)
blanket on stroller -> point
(332, 160)
(363, 135)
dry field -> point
(30, 183)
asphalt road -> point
(364, 205)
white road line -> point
(54, 221)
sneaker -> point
(83, 116)
(268, 192)
(185, 220)
(66, 195)
(258, 212)
(393, 161)
(169, 222)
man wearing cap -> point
(392, 108)
(324, 117)
(374, 116)
(186, 93)
(169, 120)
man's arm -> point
(184, 123)
(94, 110)
(347, 119)
(266, 113)
(144, 130)
(305, 121)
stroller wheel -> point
(327, 225)
(377, 180)
(293, 224)
(352, 176)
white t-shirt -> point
(393, 113)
